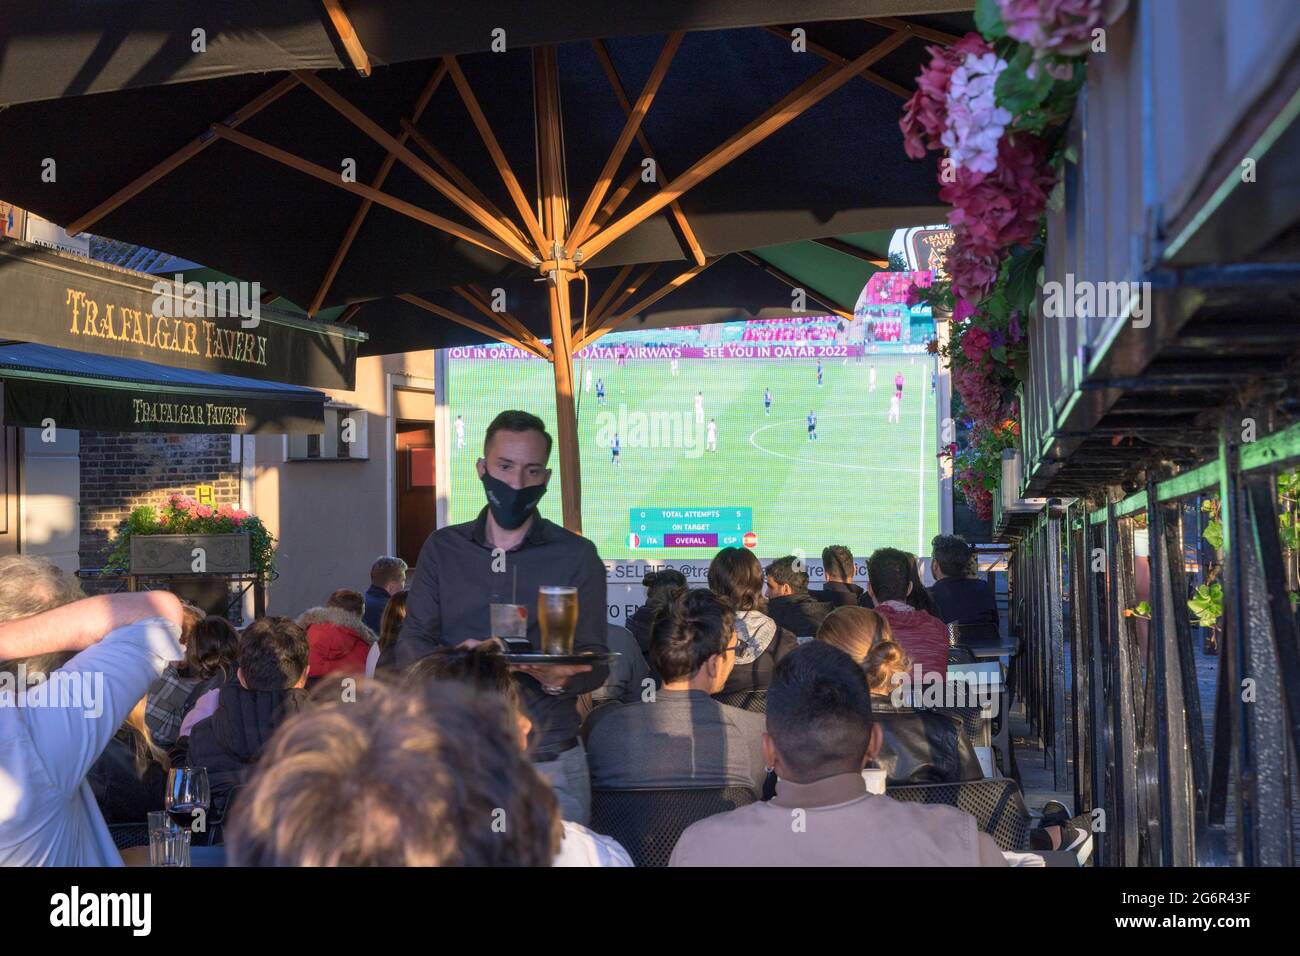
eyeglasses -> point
(737, 647)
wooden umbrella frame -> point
(545, 240)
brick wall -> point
(122, 471)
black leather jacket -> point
(923, 745)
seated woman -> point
(659, 588)
(921, 745)
(130, 776)
(736, 575)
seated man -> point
(273, 665)
(820, 735)
(682, 737)
(629, 674)
(788, 600)
(387, 577)
(396, 778)
(840, 591)
(923, 637)
(503, 557)
(966, 600)
(99, 656)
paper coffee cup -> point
(875, 780)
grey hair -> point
(30, 585)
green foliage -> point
(988, 20)
(1022, 94)
(1213, 533)
(1207, 604)
(1142, 611)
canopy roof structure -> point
(459, 156)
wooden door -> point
(415, 492)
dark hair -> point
(391, 622)
(659, 584)
(386, 570)
(819, 712)
(694, 626)
(838, 560)
(516, 421)
(396, 778)
(735, 574)
(919, 597)
(889, 571)
(783, 571)
(347, 600)
(952, 554)
(483, 668)
(212, 646)
(273, 653)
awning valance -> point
(44, 385)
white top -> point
(48, 814)
(583, 847)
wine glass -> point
(188, 798)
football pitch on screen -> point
(863, 481)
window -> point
(345, 437)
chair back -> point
(995, 803)
(960, 655)
(754, 701)
(127, 835)
(648, 822)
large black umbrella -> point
(484, 170)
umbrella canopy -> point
(494, 168)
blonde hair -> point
(144, 750)
(866, 637)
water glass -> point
(169, 844)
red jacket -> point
(339, 641)
(922, 636)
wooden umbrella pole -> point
(559, 270)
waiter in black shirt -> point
(503, 557)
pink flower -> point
(926, 114)
(203, 511)
(962, 309)
(1060, 27)
(975, 122)
(240, 514)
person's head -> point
(516, 449)
(659, 585)
(482, 668)
(213, 645)
(918, 595)
(273, 654)
(397, 778)
(30, 585)
(735, 574)
(391, 622)
(837, 563)
(854, 630)
(951, 556)
(819, 715)
(786, 576)
(886, 659)
(388, 573)
(693, 641)
(889, 575)
(347, 600)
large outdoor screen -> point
(781, 435)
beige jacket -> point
(835, 822)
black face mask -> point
(511, 506)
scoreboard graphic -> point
(710, 528)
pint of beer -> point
(557, 615)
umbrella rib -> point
(497, 334)
(422, 169)
(489, 138)
(629, 290)
(474, 295)
(347, 36)
(796, 102)
(915, 29)
(182, 155)
(599, 308)
(831, 56)
(794, 283)
(631, 126)
(612, 321)
(454, 173)
(363, 210)
(848, 249)
(692, 241)
(332, 177)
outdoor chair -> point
(127, 835)
(648, 822)
(996, 804)
(755, 701)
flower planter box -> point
(174, 553)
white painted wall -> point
(51, 492)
